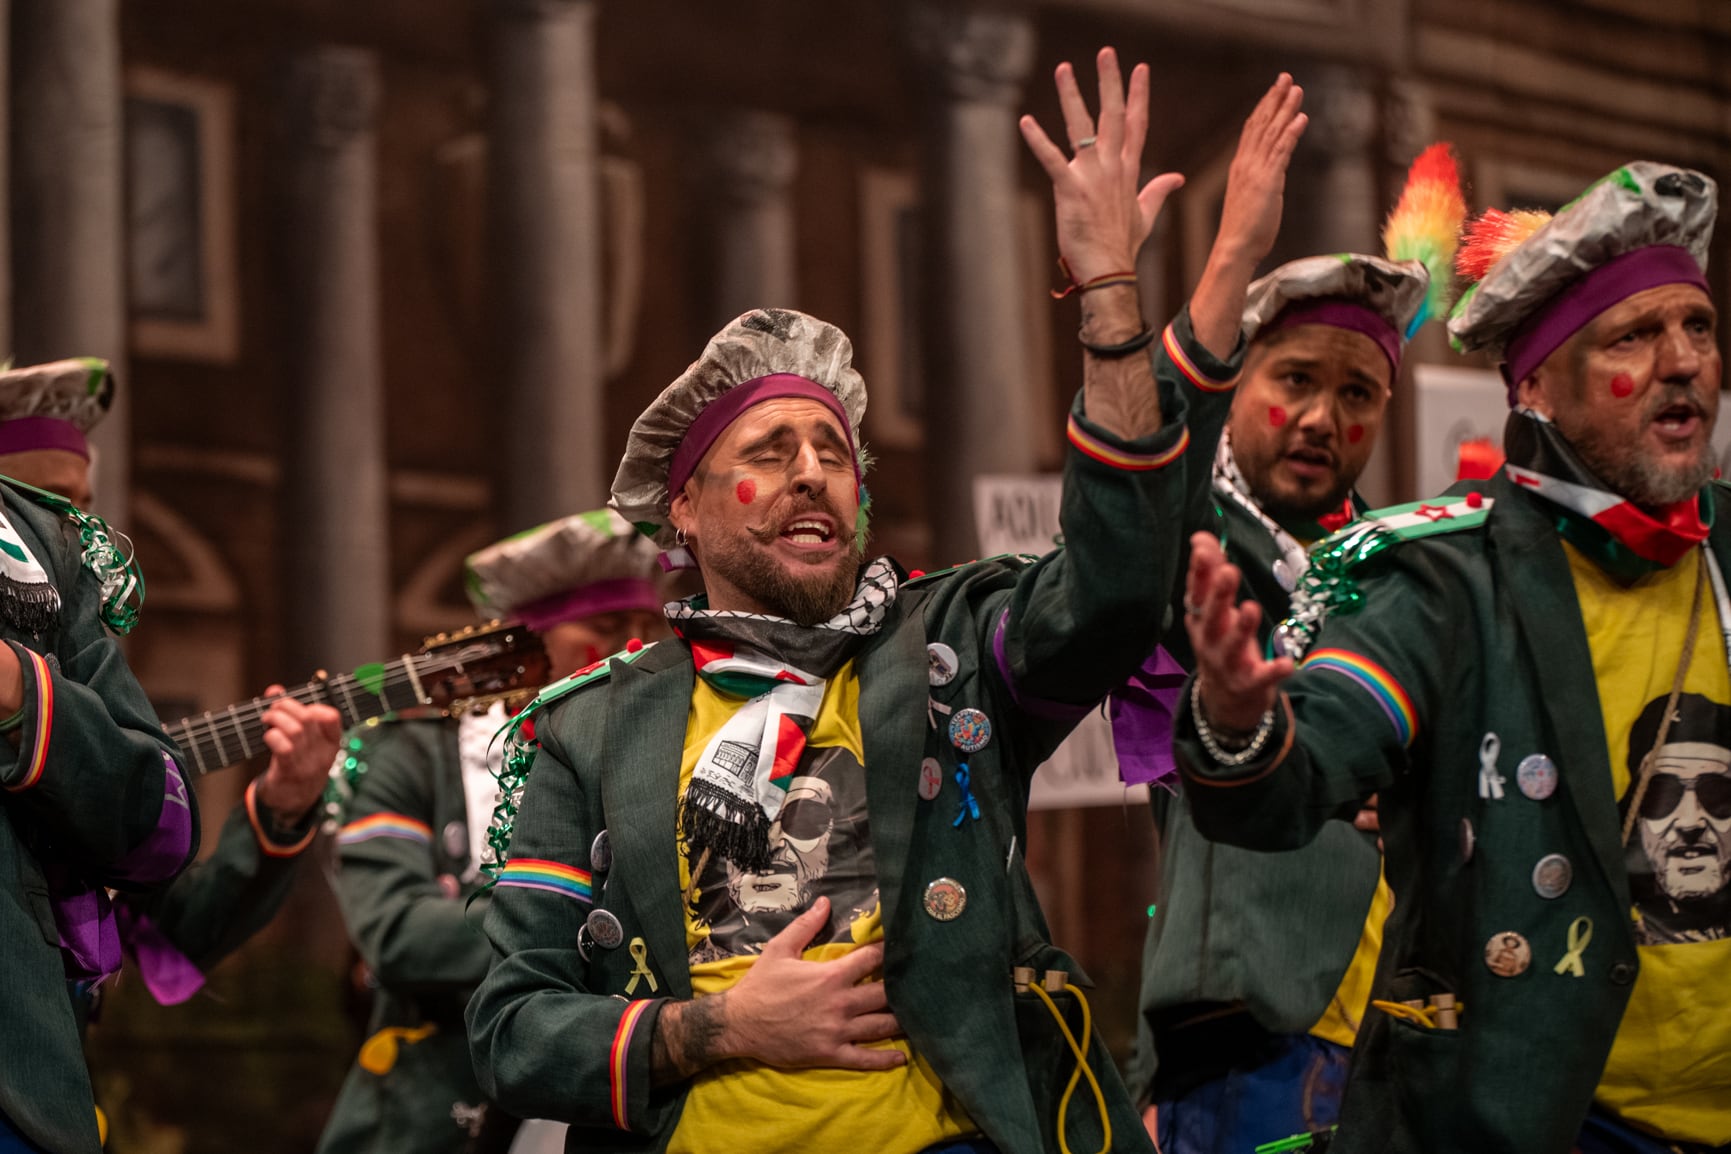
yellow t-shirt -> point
(1340, 1022)
(822, 847)
(1670, 1067)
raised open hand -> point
(1237, 685)
(1103, 218)
(1250, 217)
(1256, 182)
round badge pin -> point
(1552, 876)
(931, 779)
(945, 899)
(605, 929)
(583, 942)
(1468, 840)
(601, 853)
(1537, 776)
(1507, 955)
(1283, 575)
(941, 662)
(970, 730)
(456, 838)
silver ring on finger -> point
(1086, 142)
(1191, 609)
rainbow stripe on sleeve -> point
(618, 1059)
(554, 877)
(397, 825)
(1181, 360)
(1382, 685)
(38, 747)
(1093, 447)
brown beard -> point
(1629, 475)
(808, 601)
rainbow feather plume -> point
(1426, 223)
(1492, 236)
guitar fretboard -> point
(230, 736)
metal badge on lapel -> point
(605, 929)
(945, 899)
(456, 839)
(931, 779)
(970, 730)
(601, 853)
(1551, 877)
(942, 663)
(1507, 955)
(1537, 776)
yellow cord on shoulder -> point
(1426, 1017)
(1082, 1067)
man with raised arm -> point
(807, 932)
(1243, 1041)
(1529, 673)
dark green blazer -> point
(557, 1037)
(1482, 631)
(90, 815)
(1271, 933)
(418, 941)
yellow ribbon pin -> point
(1580, 936)
(640, 955)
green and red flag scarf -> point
(1621, 537)
(779, 670)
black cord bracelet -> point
(1110, 352)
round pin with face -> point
(941, 663)
(970, 730)
(1283, 575)
(1537, 776)
(931, 779)
(1468, 840)
(945, 899)
(1552, 876)
(601, 853)
(1507, 955)
(605, 929)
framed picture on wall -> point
(182, 286)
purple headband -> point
(1342, 314)
(725, 409)
(28, 433)
(597, 597)
(1568, 312)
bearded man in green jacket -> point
(1528, 674)
(815, 928)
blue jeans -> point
(1294, 1089)
(12, 1142)
(1603, 1134)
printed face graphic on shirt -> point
(1686, 819)
(798, 850)
(1679, 854)
(820, 846)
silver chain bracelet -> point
(1218, 753)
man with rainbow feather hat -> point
(1258, 966)
(1527, 672)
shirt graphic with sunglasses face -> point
(1685, 826)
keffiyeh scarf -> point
(1622, 538)
(779, 670)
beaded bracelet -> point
(1211, 743)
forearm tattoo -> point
(687, 1039)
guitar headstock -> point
(500, 657)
